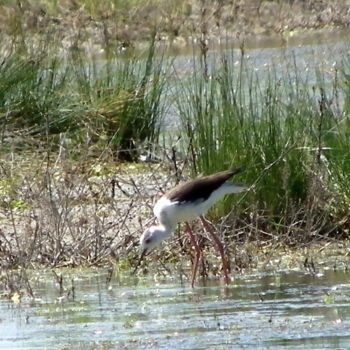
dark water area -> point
(284, 310)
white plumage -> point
(185, 203)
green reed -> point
(292, 138)
(103, 101)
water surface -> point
(285, 310)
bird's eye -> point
(148, 240)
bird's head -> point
(150, 239)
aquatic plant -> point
(112, 105)
(289, 134)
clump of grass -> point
(291, 137)
(33, 96)
(115, 104)
(123, 99)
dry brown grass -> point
(61, 213)
(126, 23)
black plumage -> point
(200, 188)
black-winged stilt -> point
(186, 202)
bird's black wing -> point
(200, 188)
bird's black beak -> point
(143, 254)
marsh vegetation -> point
(76, 122)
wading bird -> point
(185, 203)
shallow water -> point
(292, 310)
(303, 58)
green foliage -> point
(123, 99)
(292, 139)
(328, 300)
(19, 204)
(9, 194)
(115, 103)
(8, 187)
(33, 99)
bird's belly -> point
(175, 212)
(185, 212)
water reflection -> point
(274, 311)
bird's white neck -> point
(164, 231)
(166, 226)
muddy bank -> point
(123, 25)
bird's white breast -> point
(171, 213)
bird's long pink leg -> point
(197, 252)
(220, 247)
